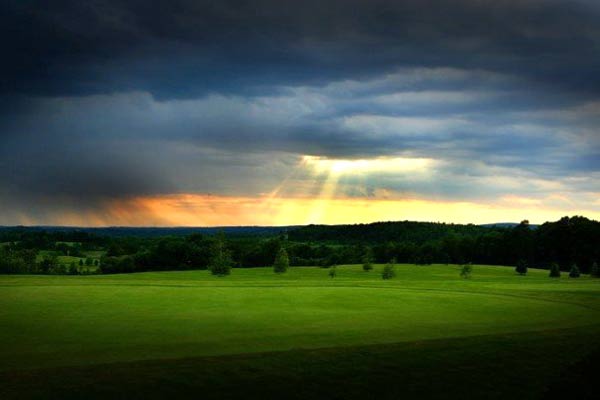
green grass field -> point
(298, 323)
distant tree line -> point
(567, 242)
(26, 261)
(33, 238)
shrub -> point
(574, 272)
(220, 261)
(521, 267)
(282, 261)
(466, 270)
(388, 271)
(554, 270)
(332, 272)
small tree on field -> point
(367, 261)
(554, 270)
(521, 267)
(332, 272)
(595, 270)
(96, 262)
(282, 261)
(220, 261)
(80, 262)
(389, 271)
(89, 262)
(466, 270)
(574, 272)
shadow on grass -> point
(552, 364)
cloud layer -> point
(108, 101)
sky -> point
(213, 113)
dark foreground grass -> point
(532, 365)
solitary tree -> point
(554, 270)
(80, 262)
(574, 272)
(466, 270)
(521, 267)
(332, 272)
(388, 270)
(220, 261)
(282, 261)
(367, 261)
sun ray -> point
(321, 203)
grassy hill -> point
(289, 326)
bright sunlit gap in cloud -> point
(325, 174)
(358, 166)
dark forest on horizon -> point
(567, 242)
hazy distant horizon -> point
(216, 227)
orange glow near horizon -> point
(290, 202)
(208, 210)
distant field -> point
(94, 253)
(67, 321)
(68, 243)
(67, 260)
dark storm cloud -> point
(109, 99)
(37, 166)
(187, 48)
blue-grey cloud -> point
(103, 99)
(187, 48)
